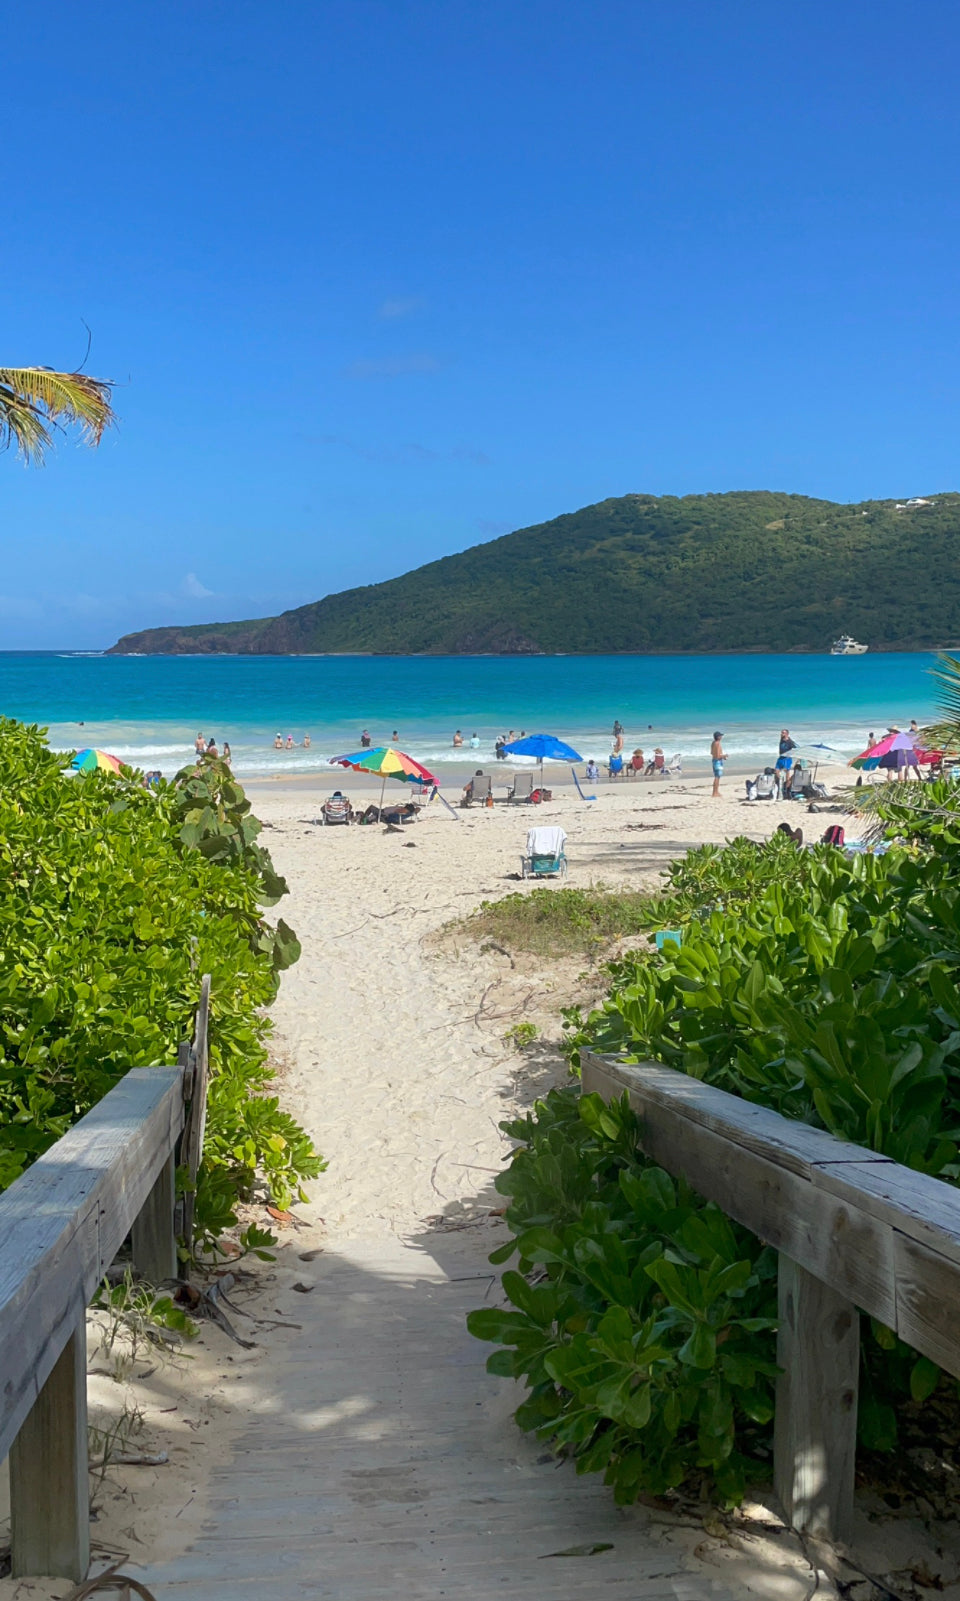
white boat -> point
(846, 645)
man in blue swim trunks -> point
(784, 760)
(717, 757)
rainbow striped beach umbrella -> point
(389, 763)
(87, 761)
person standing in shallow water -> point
(717, 757)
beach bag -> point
(833, 835)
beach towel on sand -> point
(545, 841)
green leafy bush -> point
(647, 1338)
(109, 916)
(832, 1001)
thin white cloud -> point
(193, 588)
(400, 307)
(419, 361)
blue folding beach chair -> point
(545, 853)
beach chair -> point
(523, 786)
(674, 767)
(615, 767)
(477, 790)
(545, 853)
(763, 787)
(337, 809)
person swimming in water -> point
(278, 742)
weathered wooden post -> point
(152, 1238)
(815, 1423)
(49, 1488)
(196, 1123)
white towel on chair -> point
(545, 841)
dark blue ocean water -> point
(148, 709)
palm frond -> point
(34, 398)
(946, 675)
(890, 809)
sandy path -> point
(390, 1062)
(377, 1456)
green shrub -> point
(108, 918)
(646, 1339)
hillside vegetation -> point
(745, 571)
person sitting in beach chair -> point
(763, 787)
(476, 790)
(636, 764)
(592, 772)
(337, 809)
(545, 853)
(523, 785)
(656, 764)
(615, 767)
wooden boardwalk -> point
(380, 1460)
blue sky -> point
(380, 279)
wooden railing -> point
(61, 1225)
(855, 1232)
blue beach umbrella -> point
(544, 747)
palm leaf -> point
(35, 399)
(945, 733)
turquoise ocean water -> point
(148, 709)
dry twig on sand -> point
(111, 1579)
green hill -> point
(744, 571)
